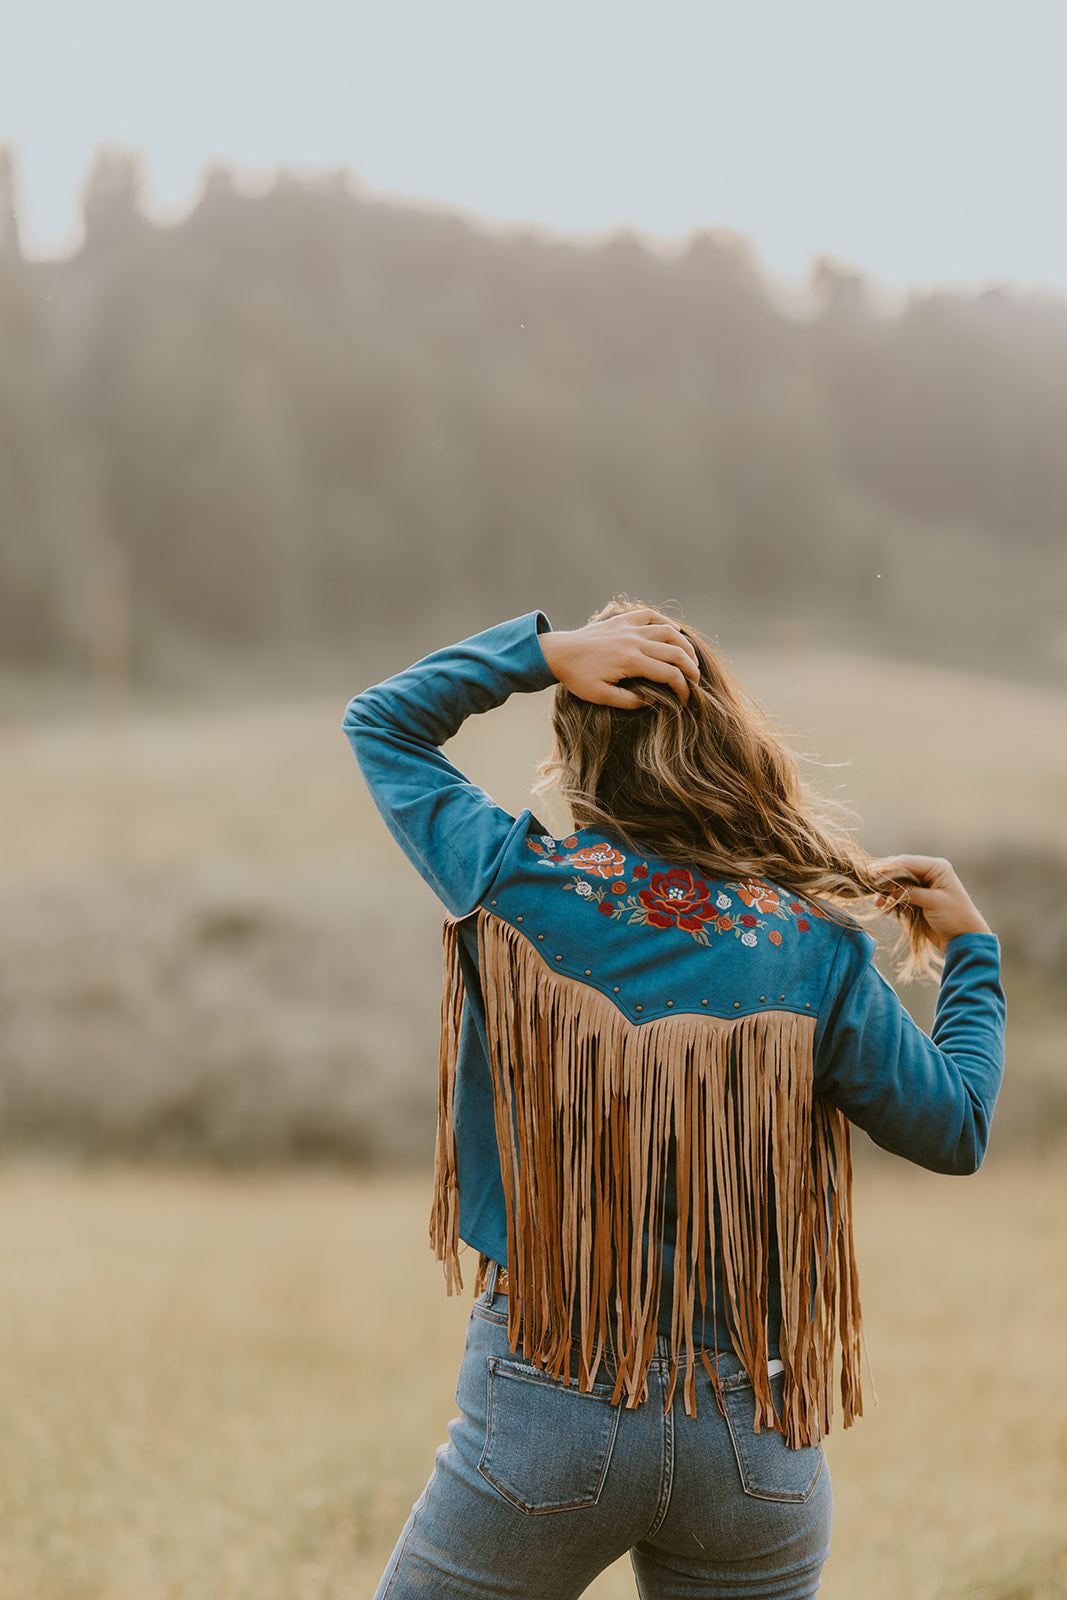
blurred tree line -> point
(307, 414)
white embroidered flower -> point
(748, 938)
(584, 889)
(549, 843)
(722, 901)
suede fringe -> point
(444, 1218)
(586, 1105)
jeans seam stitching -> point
(402, 1552)
(667, 1482)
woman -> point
(655, 1033)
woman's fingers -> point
(591, 661)
(669, 649)
(925, 869)
(666, 663)
(625, 699)
(935, 890)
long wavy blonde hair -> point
(712, 784)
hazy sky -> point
(923, 140)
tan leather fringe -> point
(444, 1218)
(586, 1104)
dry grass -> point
(926, 755)
(232, 1387)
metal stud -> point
(781, 997)
(807, 1005)
(737, 1005)
(541, 936)
(670, 1002)
(589, 972)
(492, 902)
(518, 919)
(615, 990)
(559, 958)
(703, 1002)
(762, 998)
(639, 1008)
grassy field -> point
(224, 1388)
(930, 758)
(199, 919)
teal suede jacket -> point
(647, 1076)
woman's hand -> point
(590, 661)
(931, 884)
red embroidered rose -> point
(606, 908)
(793, 906)
(600, 861)
(759, 896)
(677, 899)
(802, 925)
(640, 872)
(748, 922)
(774, 936)
(619, 888)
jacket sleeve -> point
(929, 1098)
(451, 830)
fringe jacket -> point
(647, 1078)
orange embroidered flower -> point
(599, 860)
(569, 844)
(757, 894)
(774, 937)
(619, 888)
(725, 923)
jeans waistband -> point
(662, 1354)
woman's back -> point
(646, 1070)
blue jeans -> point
(541, 1487)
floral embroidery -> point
(546, 849)
(675, 899)
(599, 860)
(757, 894)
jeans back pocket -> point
(769, 1469)
(547, 1445)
